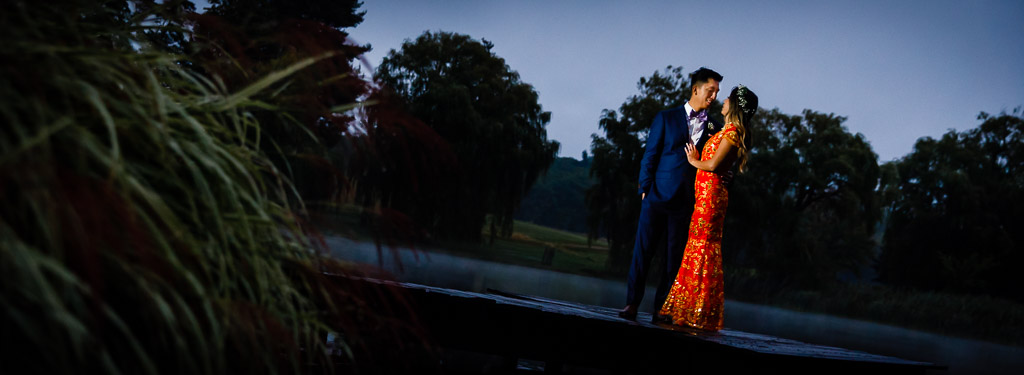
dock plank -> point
(555, 331)
(744, 340)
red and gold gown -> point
(697, 295)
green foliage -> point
(237, 40)
(143, 229)
(613, 203)
(954, 207)
(489, 119)
(806, 209)
(557, 199)
(263, 16)
(167, 29)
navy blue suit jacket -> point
(665, 175)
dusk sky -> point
(898, 70)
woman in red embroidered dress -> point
(697, 295)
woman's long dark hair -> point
(743, 105)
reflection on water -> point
(961, 355)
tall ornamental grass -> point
(142, 230)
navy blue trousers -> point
(653, 224)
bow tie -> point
(701, 116)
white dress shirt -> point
(695, 126)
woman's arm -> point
(720, 162)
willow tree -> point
(490, 119)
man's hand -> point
(642, 195)
(727, 178)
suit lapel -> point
(685, 124)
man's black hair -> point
(703, 75)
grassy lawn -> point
(526, 246)
(554, 236)
(570, 251)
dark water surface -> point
(963, 356)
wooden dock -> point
(568, 337)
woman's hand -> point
(691, 154)
(719, 162)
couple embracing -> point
(683, 176)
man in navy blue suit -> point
(667, 188)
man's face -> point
(704, 94)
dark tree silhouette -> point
(954, 207)
(807, 208)
(491, 118)
(237, 40)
